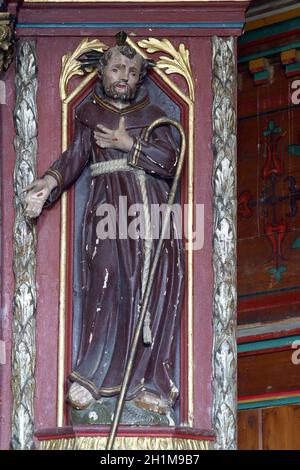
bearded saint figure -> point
(109, 128)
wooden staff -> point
(146, 298)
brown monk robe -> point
(112, 268)
(109, 137)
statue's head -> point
(121, 70)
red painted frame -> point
(52, 43)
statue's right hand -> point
(36, 194)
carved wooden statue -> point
(109, 137)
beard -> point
(121, 95)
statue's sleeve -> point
(158, 156)
(69, 166)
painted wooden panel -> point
(267, 372)
(268, 197)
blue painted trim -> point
(267, 344)
(268, 52)
(201, 24)
(267, 292)
(270, 402)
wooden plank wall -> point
(273, 428)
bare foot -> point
(79, 397)
(150, 401)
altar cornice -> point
(68, 18)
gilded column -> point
(224, 242)
(24, 245)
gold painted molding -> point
(177, 63)
(125, 443)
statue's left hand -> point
(114, 139)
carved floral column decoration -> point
(224, 358)
(24, 245)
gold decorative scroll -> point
(71, 66)
(126, 443)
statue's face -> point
(120, 76)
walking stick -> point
(172, 193)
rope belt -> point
(121, 164)
(111, 166)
